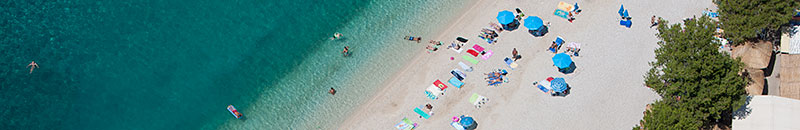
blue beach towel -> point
(422, 113)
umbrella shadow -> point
(569, 69)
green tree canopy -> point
(698, 84)
(743, 20)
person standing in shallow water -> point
(346, 50)
(332, 91)
(33, 65)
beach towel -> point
(564, 6)
(561, 13)
(430, 95)
(477, 47)
(456, 82)
(457, 126)
(405, 124)
(473, 52)
(465, 67)
(470, 59)
(511, 64)
(422, 113)
(458, 74)
(439, 84)
(487, 55)
(453, 47)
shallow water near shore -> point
(177, 65)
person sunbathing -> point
(410, 38)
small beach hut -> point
(535, 26)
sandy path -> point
(607, 90)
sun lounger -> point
(559, 41)
(488, 54)
(421, 113)
(511, 64)
(455, 82)
(470, 59)
(465, 67)
(477, 47)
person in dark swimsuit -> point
(346, 50)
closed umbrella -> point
(558, 85)
(533, 23)
(621, 10)
(562, 60)
(505, 17)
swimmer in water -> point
(336, 35)
(346, 50)
(332, 91)
(32, 65)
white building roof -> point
(769, 113)
(790, 42)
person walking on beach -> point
(520, 14)
(653, 21)
(515, 54)
(332, 91)
(32, 65)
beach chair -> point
(465, 67)
(559, 41)
(455, 82)
(405, 124)
(511, 64)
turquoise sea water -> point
(177, 64)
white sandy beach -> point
(607, 87)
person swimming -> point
(332, 91)
(410, 38)
(336, 35)
(33, 65)
(346, 50)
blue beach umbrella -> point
(621, 10)
(467, 121)
(505, 17)
(562, 60)
(533, 23)
(558, 84)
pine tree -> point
(699, 85)
(745, 20)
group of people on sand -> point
(434, 46)
(494, 78)
(488, 34)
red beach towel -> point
(472, 52)
(439, 84)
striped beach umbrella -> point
(558, 84)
